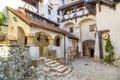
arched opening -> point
(21, 36)
(69, 27)
(57, 41)
(42, 40)
(88, 48)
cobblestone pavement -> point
(88, 69)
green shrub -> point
(109, 50)
(108, 46)
(2, 18)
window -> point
(58, 12)
(58, 20)
(57, 41)
(71, 29)
(49, 11)
(91, 28)
(25, 40)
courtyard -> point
(60, 40)
(88, 69)
(82, 69)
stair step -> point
(67, 71)
(51, 62)
(63, 69)
(48, 60)
(54, 65)
(59, 67)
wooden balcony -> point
(77, 14)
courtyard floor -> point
(88, 69)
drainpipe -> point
(64, 47)
(77, 49)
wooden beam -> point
(99, 5)
(100, 44)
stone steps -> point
(50, 62)
(56, 67)
(63, 69)
(67, 71)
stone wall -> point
(14, 62)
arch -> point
(20, 36)
(58, 40)
(68, 24)
(42, 40)
(88, 48)
(86, 19)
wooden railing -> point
(82, 12)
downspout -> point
(77, 49)
(64, 47)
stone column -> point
(51, 42)
(30, 40)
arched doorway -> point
(20, 36)
(42, 40)
(88, 48)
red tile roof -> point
(39, 24)
(37, 15)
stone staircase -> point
(57, 67)
(48, 69)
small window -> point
(58, 12)
(91, 28)
(57, 41)
(25, 40)
(71, 29)
(58, 20)
(49, 11)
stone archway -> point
(69, 26)
(88, 47)
(20, 36)
(87, 32)
(42, 40)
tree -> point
(2, 18)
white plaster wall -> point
(85, 33)
(34, 52)
(109, 19)
(96, 52)
(54, 5)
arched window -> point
(57, 41)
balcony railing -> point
(77, 14)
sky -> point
(10, 3)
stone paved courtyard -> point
(88, 69)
